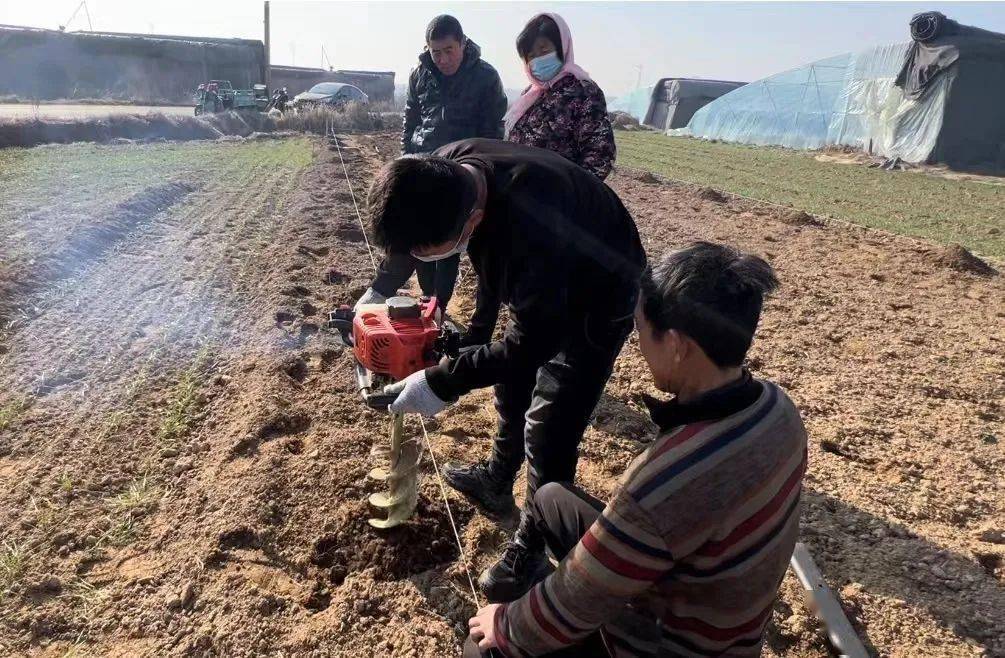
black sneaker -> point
(519, 569)
(492, 495)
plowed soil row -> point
(187, 457)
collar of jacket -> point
(713, 405)
(472, 53)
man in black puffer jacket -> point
(452, 94)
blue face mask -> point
(545, 67)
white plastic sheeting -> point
(848, 100)
(635, 103)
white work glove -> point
(414, 395)
(371, 296)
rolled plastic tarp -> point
(930, 25)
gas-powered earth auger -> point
(390, 342)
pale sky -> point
(731, 41)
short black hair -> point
(418, 201)
(713, 294)
(542, 26)
(444, 26)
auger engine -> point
(391, 341)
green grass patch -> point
(13, 564)
(46, 513)
(185, 400)
(126, 511)
(913, 203)
(12, 410)
(139, 498)
(86, 600)
(123, 532)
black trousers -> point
(562, 513)
(543, 413)
(436, 279)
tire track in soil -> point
(120, 336)
(116, 304)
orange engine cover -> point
(395, 348)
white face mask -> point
(459, 248)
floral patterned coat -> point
(571, 119)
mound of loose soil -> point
(956, 257)
(715, 196)
(624, 121)
(392, 554)
(801, 218)
(647, 177)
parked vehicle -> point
(330, 94)
(220, 96)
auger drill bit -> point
(402, 491)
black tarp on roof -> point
(973, 60)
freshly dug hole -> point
(422, 543)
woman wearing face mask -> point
(562, 110)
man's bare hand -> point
(483, 626)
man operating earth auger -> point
(554, 243)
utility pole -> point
(267, 74)
(638, 81)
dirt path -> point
(188, 458)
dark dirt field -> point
(185, 457)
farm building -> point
(671, 102)
(147, 68)
(938, 98)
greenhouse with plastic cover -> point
(938, 98)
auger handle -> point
(379, 401)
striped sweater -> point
(687, 557)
